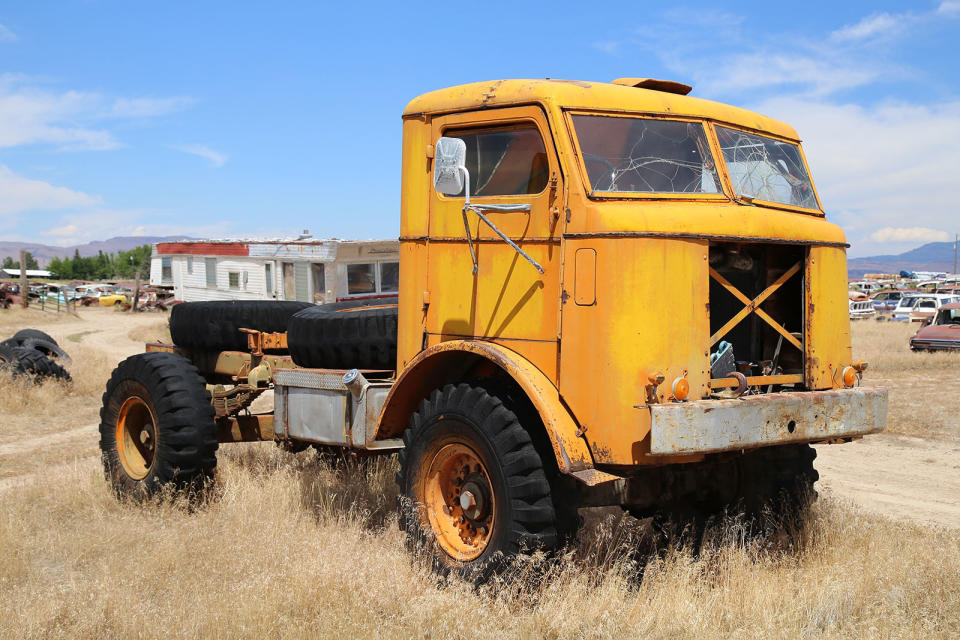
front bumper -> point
(707, 426)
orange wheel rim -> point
(136, 437)
(460, 506)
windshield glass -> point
(643, 155)
(949, 316)
(766, 169)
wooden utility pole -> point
(23, 278)
(956, 242)
(136, 292)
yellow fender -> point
(456, 360)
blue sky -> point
(262, 119)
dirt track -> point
(907, 478)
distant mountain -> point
(933, 256)
(44, 252)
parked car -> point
(901, 312)
(115, 300)
(942, 334)
(885, 300)
(59, 293)
(927, 306)
(860, 306)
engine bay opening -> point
(756, 317)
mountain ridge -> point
(933, 256)
(44, 253)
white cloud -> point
(78, 228)
(147, 107)
(909, 234)
(216, 158)
(6, 35)
(880, 166)
(23, 194)
(878, 24)
(763, 69)
(70, 120)
(949, 8)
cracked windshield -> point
(766, 169)
(643, 155)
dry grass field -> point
(285, 545)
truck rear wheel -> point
(156, 425)
(474, 489)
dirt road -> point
(896, 476)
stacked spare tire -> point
(358, 334)
(33, 353)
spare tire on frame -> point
(359, 334)
(215, 326)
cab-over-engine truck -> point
(610, 294)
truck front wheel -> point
(156, 425)
(474, 489)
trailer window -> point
(166, 271)
(233, 278)
(766, 169)
(210, 266)
(319, 282)
(389, 277)
(643, 155)
(361, 279)
(505, 161)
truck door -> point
(511, 160)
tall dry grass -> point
(290, 547)
(923, 400)
(285, 545)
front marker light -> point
(849, 376)
(680, 388)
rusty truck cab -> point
(675, 257)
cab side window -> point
(505, 161)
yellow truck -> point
(610, 294)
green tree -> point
(8, 263)
(30, 260)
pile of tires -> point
(215, 326)
(358, 334)
(33, 353)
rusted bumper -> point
(707, 426)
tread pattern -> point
(345, 335)
(32, 334)
(27, 361)
(215, 326)
(186, 438)
(531, 518)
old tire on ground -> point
(216, 326)
(27, 361)
(473, 489)
(358, 334)
(47, 348)
(157, 425)
(32, 334)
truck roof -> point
(575, 94)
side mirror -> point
(449, 166)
